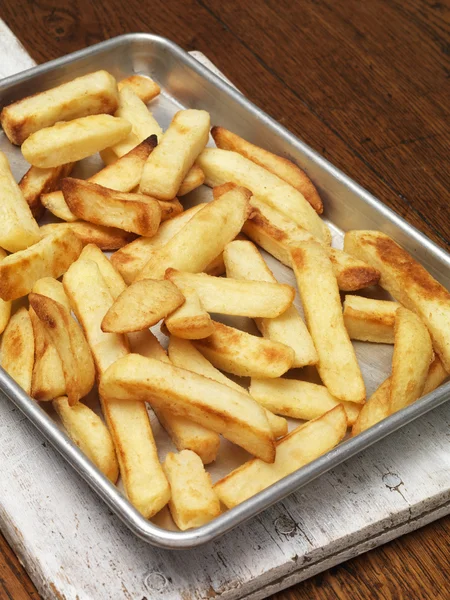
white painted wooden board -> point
(74, 548)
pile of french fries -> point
(83, 320)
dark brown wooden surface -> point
(367, 84)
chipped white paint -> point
(74, 548)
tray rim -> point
(253, 506)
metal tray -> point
(186, 83)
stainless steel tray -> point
(186, 83)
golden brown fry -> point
(106, 238)
(170, 162)
(52, 288)
(319, 292)
(18, 228)
(49, 257)
(142, 305)
(243, 354)
(370, 320)
(5, 305)
(194, 179)
(70, 343)
(300, 447)
(102, 206)
(436, 375)
(38, 181)
(145, 88)
(17, 349)
(193, 502)
(243, 261)
(282, 167)
(113, 279)
(69, 141)
(86, 95)
(90, 434)
(190, 321)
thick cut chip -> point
(143, 478)
(190, 321)
(70, 343)
(50, 257)
(319, 292)
(408, 282)
(17, 349)
(243, 261)
(90, 434)
(300, 447)
(282, 167)
(246, 355)
(142, 305)
(223, 410)
(102, 206)
(18, 228)
(5, 305)
(90, 94)
(52, 288)
(194, 179)
(183, 354)
(145, 88)
(236, 296)
(436, 375)
(370, 320)
(113, 279)
(106, 238)
(221, 166)
(168, 165)
(202, 238)
(193, 502)
(413, 353)
(70, 141)
(37, 182)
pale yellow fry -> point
(18, 228)
(143, 479)
(190, 321)
(89, 94)
(370, 320)
(194, 179)
(300, 447)
(52, 288)
(408, 282)
(243, 261)
(221, 166)
(436, 375)
(106, 238)
(17, 349)
(90, 434)
(70, 141)
(144, 87)
(193, 502)
(113, 279)
(37, 182)
(5, 305)
(51, 257)
(168, 165)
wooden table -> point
(367, 85)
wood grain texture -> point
(366, 84)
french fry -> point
(70, 141)
(48, 380)
(141, 306)
(70, 343)
(190, 321)
(282, 167)
(298, 399)
(113, 279)
(202, 238)
(168, 165)
(38, 181)
(193, 502)
(87, 95)
(236, 296)
(123, 176)
(19, 229)
(221, 166)
(102, 206)
(183, 354)
(300, 447)
(52, 288)
(223, 410)
(108, 156)
(246, 355)
(133, 257)
(408, 282)
(243, 261)
(90, 434)
(352, 274)
(413, 353)
(142, 475)
(50, 257)
(436, 375)
(17, 349)
(194, 179)
(216, 267)
(185, 434)
(319, 292)
(370, 320)
(106, 238)
(145, 88)
(5, 305)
